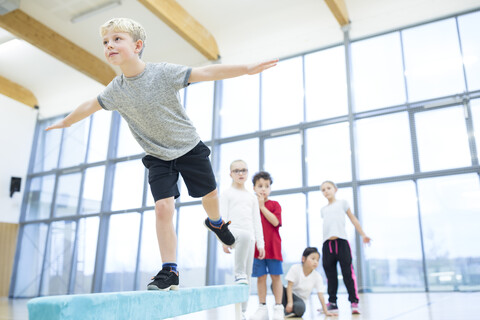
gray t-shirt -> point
(150, 104)
(334, 220)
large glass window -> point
(128, 185)
(468, 26)
(328, 154)
(282, 94)
(377, 69)
(56, 274)
(283, 159)
(192, 254)
(390, 218)
(384, 147)
(29, 270)
(66, 201)
(47, 148)
(326, 84)
(475, 104)
(100, 133)
(433, 61)
(74, 145)
(93, 190)
(39, 198)
(85, 254)
(199, 106)
(239, 111)
(442, 139)
(121, 257)
(450, 209)
(292, 121)
(294, 222)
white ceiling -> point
(245, 31)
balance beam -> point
(136, 305)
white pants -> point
(243, 254)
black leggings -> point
(334, 251)
(298, 303)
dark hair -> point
(262, 175)
(309, 250)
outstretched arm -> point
(357, 225)
(224, 71)
(80, 113)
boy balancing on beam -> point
(146, 96)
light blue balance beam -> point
(137, 305)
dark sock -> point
(216, 223)
(171, 265)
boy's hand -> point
(59, 125)
(226, 249)
(261, 200)
(255, 68)
(261, 253)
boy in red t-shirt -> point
(271, 216)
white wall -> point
(17, 126)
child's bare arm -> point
(224, 71)
(357, 225)
(324, 306)
(81, 112)
(272, 218)
(289, 306)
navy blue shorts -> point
(194, 166)
(265, 266)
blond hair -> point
(236, 161)
(331, 182)
(133, 28)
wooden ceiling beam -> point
(339, 10)
(25, 27)
(17, 92)
(177, 18)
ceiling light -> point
(94, 11)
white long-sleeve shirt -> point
(241, 208)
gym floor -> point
(374, 306)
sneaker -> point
(261, 313)
(332, 307)
(241, 279)
(355, 308)
(278, 312)
(222, 232)
(165, 280)
(290, 315)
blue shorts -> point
(265, 266)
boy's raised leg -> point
(211, 206)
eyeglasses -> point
(238, 171)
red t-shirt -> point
(271, 234)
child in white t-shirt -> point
(302, 279)
(336, 249)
